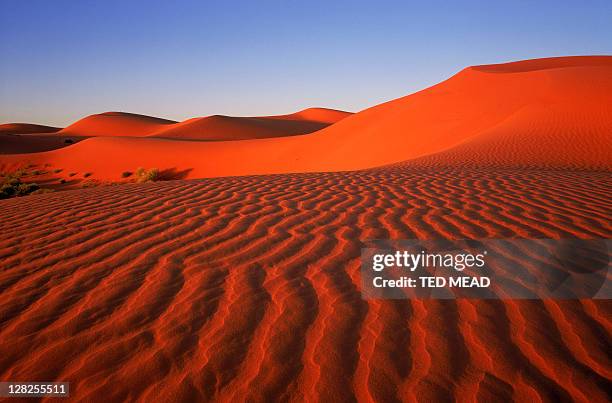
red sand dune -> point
(242, 128)
(116, 124)
(248, 288)
(215, 127)
(120, 124)
(26, 128)
(536, 100)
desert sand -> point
(243, 284)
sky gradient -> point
(63, 60)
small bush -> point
(12, 186)
(147, 175)
(38, 172)
(62, 181)
(86, 174)
(126, 174)
(71, 174)
(8, 190)
(26, 188)
(10, 181)
(56, 171)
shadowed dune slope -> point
(559, 103)
(26, 128)
(248, 289)
(34, 143)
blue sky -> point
(62, 60)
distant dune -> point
(220, 127)
(26, 128)
(217, 127)
(248, 288)
(117, 124)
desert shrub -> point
(126, 174)
(56, 171)
(24, 189)
(72, 174)
(38, 172)
(8, 190)
(86, 174)
(62, 181)
(12, 186)
(11, 181)
(147, 175)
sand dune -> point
(248, 289)
(242, 128)
(26, 128)
(536, 136)
(215, 127)
(558, 97)
(117, 124)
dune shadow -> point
(173, 174)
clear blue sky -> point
(62, 60)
